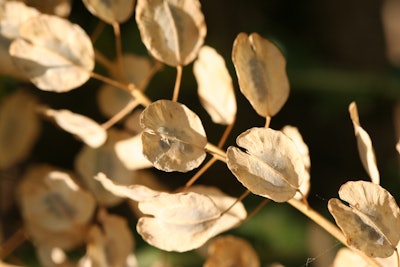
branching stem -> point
(216, 152)
(130, 88)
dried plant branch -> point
(97, 31)
(216, 152)
(329, 227)
(177, 83)
(135, 92)
(121, 114)
(200, 172)
(267, 121)
(143, 84)
(240, 198)
(257, 209)
(12, 243)
(225, 135)
(103, 60)
(118, 49)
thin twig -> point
(103, 60)
(243, 196)
(97, 31)
(12, 243)
(226, 133)
(212, 160)
(177, 83)
(136, 93)
(143, 84)
(110, 81)
(328, 226)
(257, 209)
(200, 172)
(121, 114)
(216, 152)
(118, 50)
(139, 95)
(303, 198)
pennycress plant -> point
(64, 209)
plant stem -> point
(177, 83)
(136, 93)
(212, 160)
(257, 209)
(225, 135)
(245, 194)
(200, 172)
(110, 81)
(103, 60)
(118, 49)
(12, 243)
(267, 121)
(97, 31)
(215, 151)
(143, 84)
(328, 226)
(139, 95)
(122, 113)
(306, 210)
(319, 219)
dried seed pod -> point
(172, 30)
(111, 243)
(55, 209)
(55, 54)
(19, 127)
(294, 134)
(364, 145)
(371, 222)
(12, 15)
(193, 216)
(271, 167)
(89, 162)
(86, 129)
(173, 136)
(61, 8)
(260, 67)
(215, 86)
(129, 151)
(111, 11)
(226, 251)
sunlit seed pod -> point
(172, 30)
